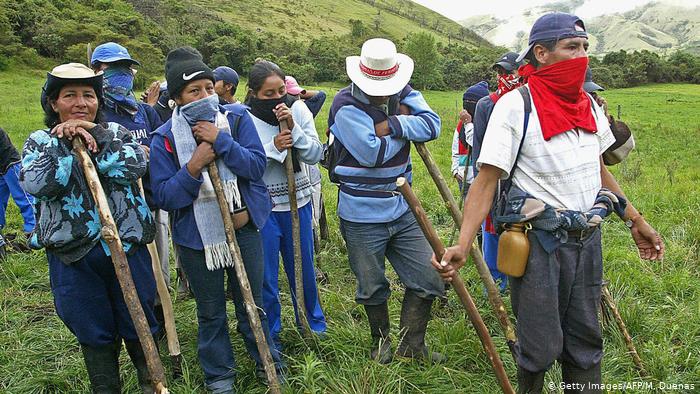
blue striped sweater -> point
(368, 166)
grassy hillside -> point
(307, 19)
(659, 301)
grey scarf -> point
(207, 213)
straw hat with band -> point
(379, 70)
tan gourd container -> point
(513, 250)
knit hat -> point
(182, 66)
(476, 92)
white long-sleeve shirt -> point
(456, 168)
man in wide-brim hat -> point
(372, 123)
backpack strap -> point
(528, 109)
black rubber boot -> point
(379, 326)
(415, 314)
(138, 358)
(530, 382)
(102, 364)
(587, 380)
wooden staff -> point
(243, 283)
(110, 234)
(296, 238)
(610, 303)
(167, 305)
(494, 295)
(458, 285)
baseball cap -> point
(588, 84)
(553, 26)
(226, 74)
(509, 61)
(293, 87)
(110, 52)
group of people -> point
(541, 147)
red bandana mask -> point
(506, 83)
(557, 92)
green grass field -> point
(660, 301)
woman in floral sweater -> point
(86, 292)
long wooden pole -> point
(610, 303)
(167, 305)
(296, 238)
(494, 295)
(110, 234)
(243, 283)
(460, 288)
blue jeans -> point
(490, 251)
(89, 300)
(9, 185)
(277, 237)
(402, 242)
(315, 103)
(213, 342)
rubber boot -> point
(587, 380)
(530, 382)
(102, 364)
(415, 314)
(138, 358)
(379, 326)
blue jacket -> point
(140, 132)
(367, 165)
(174, 189)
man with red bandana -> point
(558, 145)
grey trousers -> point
(556, 305)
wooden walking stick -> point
(244, 284)
(494, 295)
(296, 237)
(458, 285)
(110, 234)
(609, 301)
(167, 304)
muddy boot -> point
(530, 382)
(139, 360)
(3, 249)
(415, 313)
(102, 364)
(585, 378)
(379, 326)
(183, 286)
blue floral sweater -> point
(68, 224)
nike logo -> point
(188, 77)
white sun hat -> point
(379, 70)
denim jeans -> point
(402, 242)
(277, 237)
(213, 342)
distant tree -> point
(377, 21)
(357, 28)
(422, 49)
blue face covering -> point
(203, 109)
(118, 83)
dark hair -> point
(51, 117)
(548, 44)
(258, 74)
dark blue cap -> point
(588, 85)
(110, 52)
(554, 26)
(476, 91)
(226, 74)
(509, 61)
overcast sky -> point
(462, 9)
